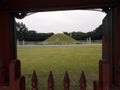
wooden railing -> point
(66, 83)
(34, 81)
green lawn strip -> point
(59, 59)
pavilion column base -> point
(104, 76)
(16, 81)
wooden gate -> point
(66, 81)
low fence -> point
(40, 43)
(66, 81)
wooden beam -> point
(47, 5)
(117, 47)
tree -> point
(31, 35)
(95, 34)
(21, 31)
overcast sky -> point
(63, 21)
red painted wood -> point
(5, 47)
(17, 82)
(96, 85)
(22, 83)
(66, 81)
(50, 81)
(104, 76)
(45, 5)
(82, 81)
(13, 72)
(117, 48)
(4, 88)
(34, 81)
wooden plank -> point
(45, 5)
(82, 81)
(66, 81)
(117, 47)
(34, 81)
(50, 81)
(5, 49)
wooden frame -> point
(109, 66)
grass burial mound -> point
(60, 38)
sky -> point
(63, 21)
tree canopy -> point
(22, 33)
(95, 34)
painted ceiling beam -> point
(48, 5)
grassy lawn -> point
(59, 59)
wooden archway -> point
(109, 66)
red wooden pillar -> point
(117, 49)
(109, 66)
(106, 65)
(6, 46)
(10, 72)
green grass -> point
(59, 59)
(60, 38)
